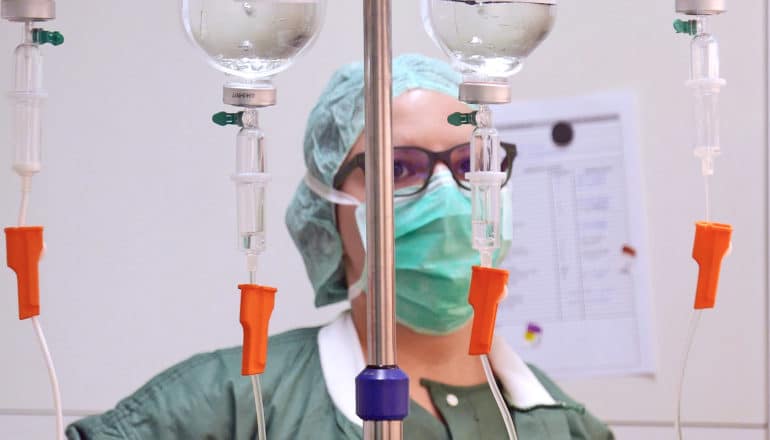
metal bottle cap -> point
(701, 7)
(485, 93)
(28, 10)
(249, 96)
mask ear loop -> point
(328, 193)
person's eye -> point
(464, 166)
(401, 170)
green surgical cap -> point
(333, 127)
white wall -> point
(139, 210)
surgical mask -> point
(434, 254)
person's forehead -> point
(419, 118)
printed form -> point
(578, 302)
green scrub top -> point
(205, 397)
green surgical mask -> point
(434, 252)
(434, 256)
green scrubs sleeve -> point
(204, 397)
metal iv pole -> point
(382, 389)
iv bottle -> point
(488, 40)
(252, 38)
(27, 99)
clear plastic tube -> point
(52, 377)
(501, 405)
(27, 99)
(693, 328)
(26, 186)
(706, 84)
(257, 388)
(251, 182)
(485, 178)
(694, 321)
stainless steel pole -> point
(379, 184)
(381, 318)
(383, 430)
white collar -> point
(342, 360)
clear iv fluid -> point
(489, 39)
(256, 38)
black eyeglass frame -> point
(445, 157)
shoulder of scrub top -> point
(580, 419)
(205, 396)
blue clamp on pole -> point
(382, 394)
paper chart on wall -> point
(578, 302)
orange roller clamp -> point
(257, 304)
(712, 240)
(24, 246)
(487, 289)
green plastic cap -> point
(224, 118)
(458, 119)
(41, 36)
(689, 27)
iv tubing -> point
(25, 188)
(486, 259)
(52, 377)
(257, 387)
(501, 405)
(26, 184)
(694, 321)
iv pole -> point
(382, 389)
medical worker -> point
(308, 387)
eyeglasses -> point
(413, 166)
